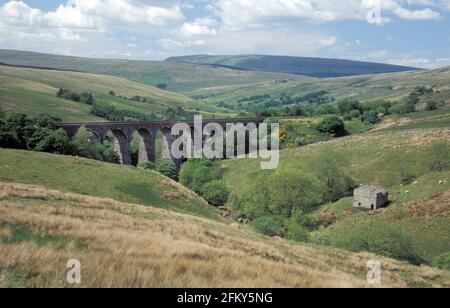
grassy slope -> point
(126, 245)
(317, 67)
(34, 91)
(372, 157)
(94, 178)
(179, 77)
(387, 86)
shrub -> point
(333, 126)
(438, 156)
(167, 168)
(147, 165)
(267, 226)
(55, 141)
(443, 261)
(355, 113)
(382, 239)
(216, 192)
(9, 140)
(86, 145)
(282, 194)
(347, 117)
(195, 173)
(347, 106)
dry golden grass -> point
(136, 246)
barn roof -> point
(370, 190)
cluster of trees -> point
(280, 202)
(84, 98)
(111, 113)
(19, 131)
(177, 113)
(202, 177)
(267, 103)
(316, 104)
(164, 166)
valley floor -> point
(126, 245)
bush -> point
(216, 192)
(267, 226)
(355, 113)
(167, 168)
(382, 239)
(282, 194)
(195, 173)
(9, 140)
(147, 165)
(443, 261)
(87, 145)
(438, 156)
(333, 126)
(347, 117)
(55, 141)
(346, 106)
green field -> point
(33, 91)
(99, 179)
(364, 88)
(378, 157)
(179, 77)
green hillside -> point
(313, 67)
(88, 177)
(128, 245)
(33, 91)
(369, 87)
(179, 77)
(396, 159)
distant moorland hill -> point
(314, 67)
(172, 76)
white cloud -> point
(250, 13)
(199, 27)
(274, 41)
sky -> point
(405, 32)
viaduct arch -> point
(147, 130)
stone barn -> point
(371, 197)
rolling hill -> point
(420, 206)
(134, 228)
(368, 87)
(94, 178)
(33, 91)
(178, 77)
(313, 67)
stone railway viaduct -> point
(147, 130)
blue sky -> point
(407, 32)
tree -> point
(167, 168)
(195, 173)
(87, 98)
(162, 86)
(370, 116)
(86, 145)
(333, 126)
(56, 141)
(21, 126)
(329, 167)
(216, 192)
(438, 156)
(348, 105)
(282, 193)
